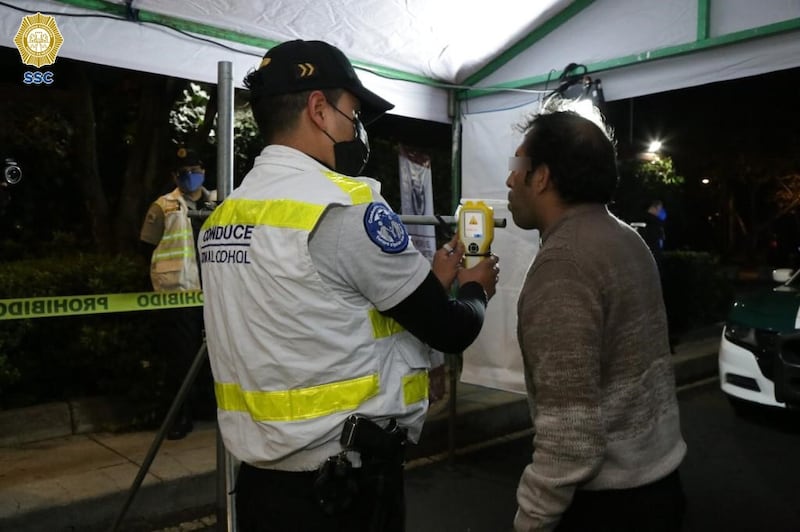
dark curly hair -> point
(579, 153)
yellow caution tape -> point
(45, 307)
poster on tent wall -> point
(488, 140)
(416, 197)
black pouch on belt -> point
(372, 441)
(335, 487)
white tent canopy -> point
(479, 65)
(414, 52)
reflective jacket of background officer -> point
(167, 227)
(318, 307)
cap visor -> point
(372, 105)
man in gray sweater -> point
(593, 333)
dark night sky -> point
(719, 116)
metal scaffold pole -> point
(226, 468)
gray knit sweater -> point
(593, 333)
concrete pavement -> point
(80, 482)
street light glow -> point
(705, 181)
(655, 146)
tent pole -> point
(226, 477)
(224, 129)
(454, 110)
(453, 359)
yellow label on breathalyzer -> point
(475, 230)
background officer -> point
(168, 234)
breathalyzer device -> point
(475, 230)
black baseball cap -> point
(296, 66)
(186, 157)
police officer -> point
(319, 333)
(168, 235)
(653, 231)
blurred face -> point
(521, 193)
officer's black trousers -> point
(279, 501)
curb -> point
(56, 420)
(153, 503)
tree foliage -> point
(191, 128)
(91, 147)
(756, 197)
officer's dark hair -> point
(579, 153)
(278, 113)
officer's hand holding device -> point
(447, 261)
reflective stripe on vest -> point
(314, 401)
(174, 245)
(300, 403)
(287, 213)
(324, 399)
(276, 213)
(415, 387)
(383, 326)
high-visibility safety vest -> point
(291, 360)
(173, 265)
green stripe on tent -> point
(647, 56)
(536, 35)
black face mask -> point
(351, 155)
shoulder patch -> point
(385, 229)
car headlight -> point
(741, 334)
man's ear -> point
(316, 108)
(541, 178)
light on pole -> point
(652, 152)
(654, 147)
